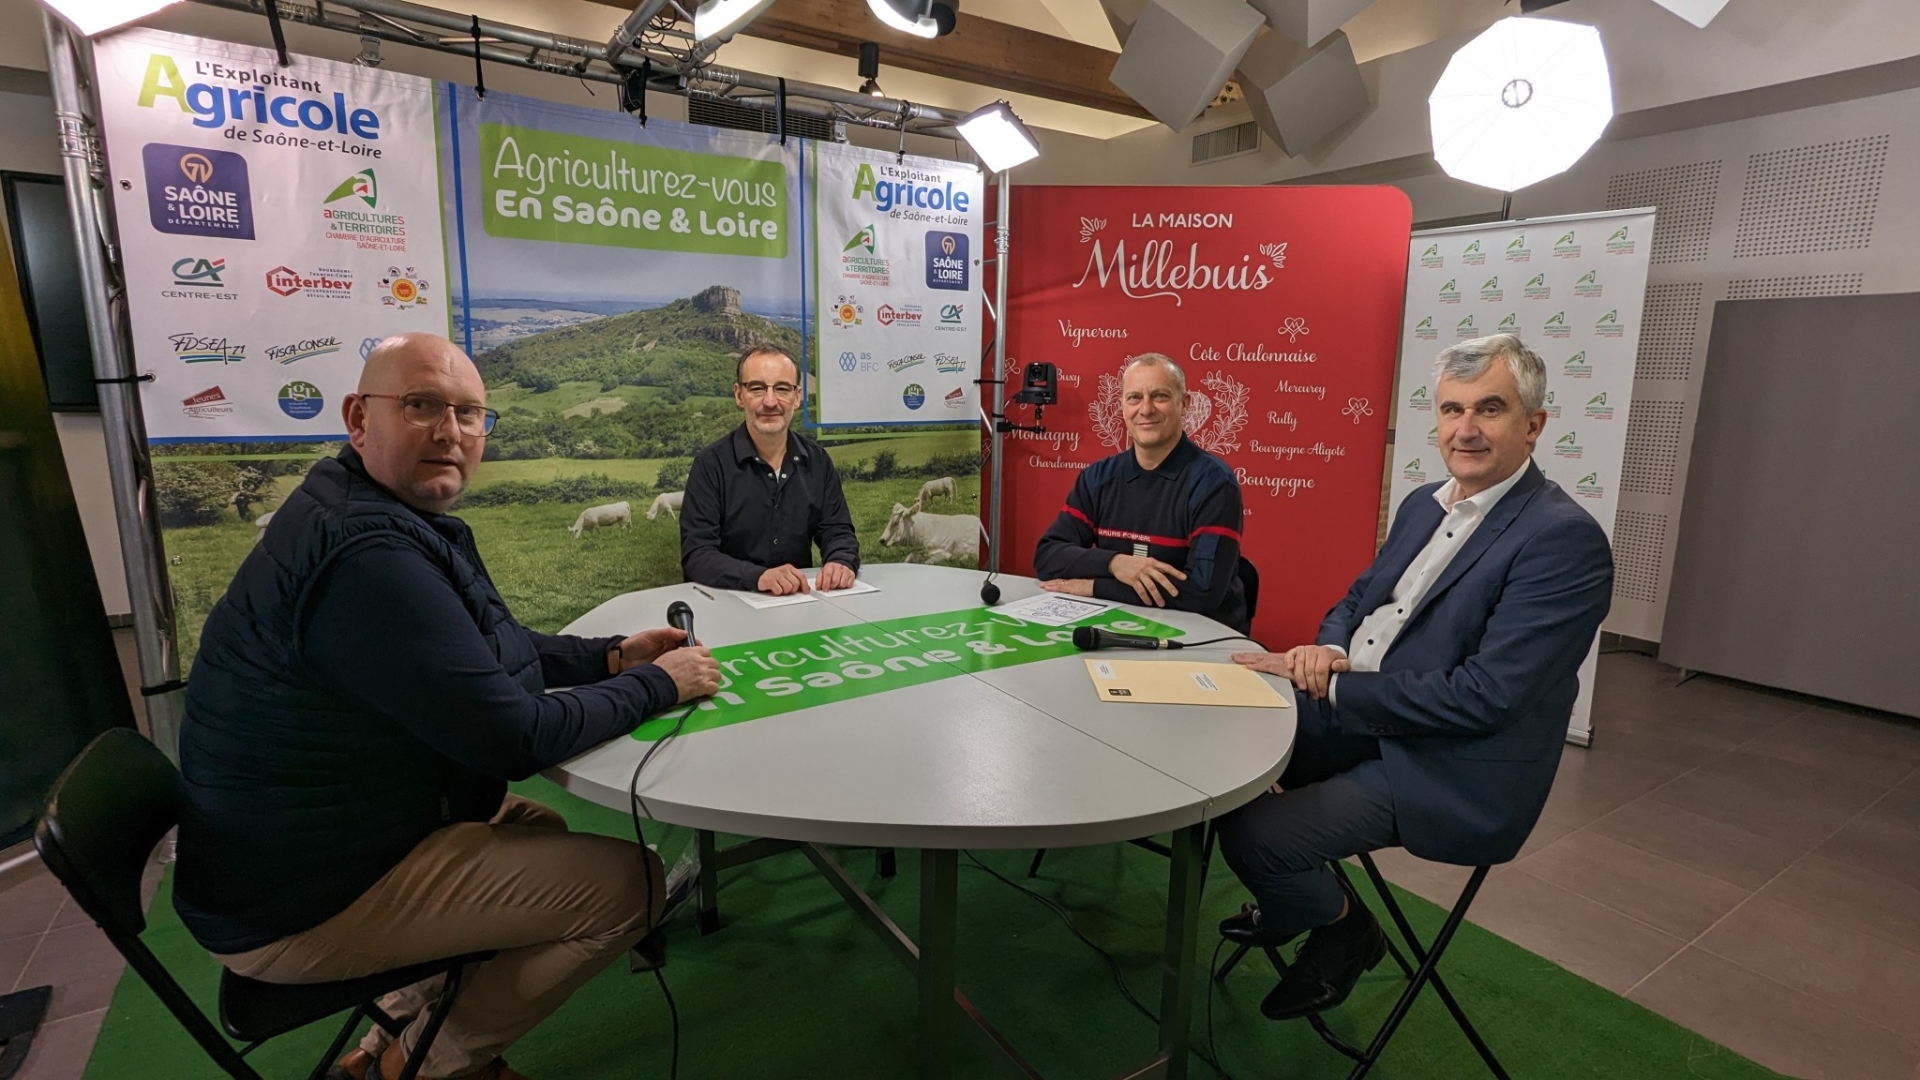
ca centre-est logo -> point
(198, 278)
(194, 191)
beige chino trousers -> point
(558, 906)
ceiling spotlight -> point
(719, 18)
(870, 69)
(916, 17)
(998, 136)
(91, 17)
(1521, 102)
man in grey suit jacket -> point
(1435, 699)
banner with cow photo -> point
(1281, 304)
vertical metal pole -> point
(998, 443)
(1180, 959)
(939, 949)
(83, 160)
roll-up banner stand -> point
(1572, 288)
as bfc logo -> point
(848, 361)
(197, 192)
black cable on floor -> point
(635, 806)
(1113, 964)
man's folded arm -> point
(701, 559)
(1067, 549)
(570, 660)
(1213, 552)
(424, 664)
(1555, 597)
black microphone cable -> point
(635, 805)
(1218, 640)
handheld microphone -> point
(680, 617)
(1092, 637)
(989, 592)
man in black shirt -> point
(1156, 524)
(361, 698)
(760, 498)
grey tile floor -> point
(1744, 862)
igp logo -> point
(947, 260)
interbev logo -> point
(802, 671)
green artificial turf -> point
(795, 986)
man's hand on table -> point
(1149, 578)
(646, 647)
(833, 575)
(784, 580)
(1070, 586)
(1308, 667)
(695, 673)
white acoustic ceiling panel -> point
(1181, 52)
(1308, 22)
(1299, 96)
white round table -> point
(1020, 756)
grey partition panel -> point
(1796, 558)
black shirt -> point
(1186, 513)
(739, 517)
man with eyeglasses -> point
(360, 700)
(760, 498)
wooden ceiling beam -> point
(978, 51)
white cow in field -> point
(603, 517)
(932, 488)
(670, 503)
(260, 525)
(932, 537)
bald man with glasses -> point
(360, 700)
(759, 499)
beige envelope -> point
(1176, 682)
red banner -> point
(1282, 305)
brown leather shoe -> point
(352, 1065)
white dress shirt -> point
(1376, 633)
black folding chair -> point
(106, 813)
(1427, 972)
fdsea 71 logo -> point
(194, 191)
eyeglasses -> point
(759, 389)
(426, 411)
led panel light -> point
(718, 18)
(91, 17)
(998, 136)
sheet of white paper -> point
(761, 601)
(854, 589)
(1050, 609)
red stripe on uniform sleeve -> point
(1217, 530)
(1067, 508)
